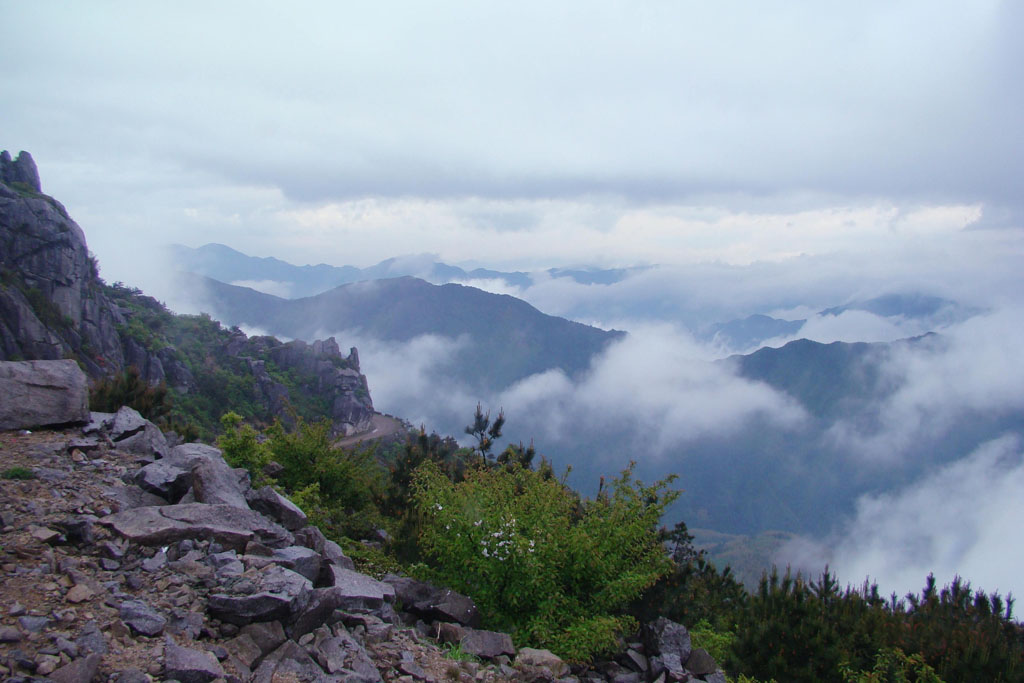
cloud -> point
(674, 133)
(275, 287)
(413, 379)
(971, 372)
(655, 384)
(960, 519)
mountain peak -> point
(20, 170)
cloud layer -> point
(962, 519)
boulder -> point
(665, 637)
(290, 662)
(280, 594)
(125, 423)
(487, 644)
(230, 526)
(141, 618)
(360, 592)
(349, 591)
(188, 455)
(188, 665)
(133, 433)
(701, 662)
(37, 393)
(304, 561)
(269, 502)
(268, 635)
(81, 670)
(214, 483)
(545, 659)
(338, 653)
(432, 603)
(164, 479)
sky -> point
(772, 157)
(519, 134)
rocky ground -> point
(80, 602)
(126, 556)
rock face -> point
(330, 374)
(53, 305)
(22, 170)
(42, 392)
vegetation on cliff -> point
(575, 575)
(214, 376)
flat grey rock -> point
(278, 508)
(37, 393)
(141, 618)
(230, 526)
(81, 670)
(188, 665)
(304, 561)
(488, 644)
(280, 593)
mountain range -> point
(233, 267)
(500, 339)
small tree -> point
(484, 431)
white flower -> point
(438, 506)
(478, 522)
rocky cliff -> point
(54, 305)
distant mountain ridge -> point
(228, 265)
(505, 338)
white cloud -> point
(961, 519)
(274, 287)
(656, 383)
(972, 369)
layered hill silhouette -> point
(500, 339)
(229, 265)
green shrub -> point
(556, 571)
(893, 666)
(129, 389)
(343, 486)
(717, 643)
(18, 472)
(241, 446)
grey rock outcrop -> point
(44, 392)
(133, 433)
(230, 526)
(21, 170)
(432, 603)
(189, 666)
(278, 508)
(53, 305)
(279, 595)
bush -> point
(893, 666)
(241, 446)
(18, 472)
(129, 389)
(556, 571)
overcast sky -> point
(775, 156)
(523, 134)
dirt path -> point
(381, 427)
